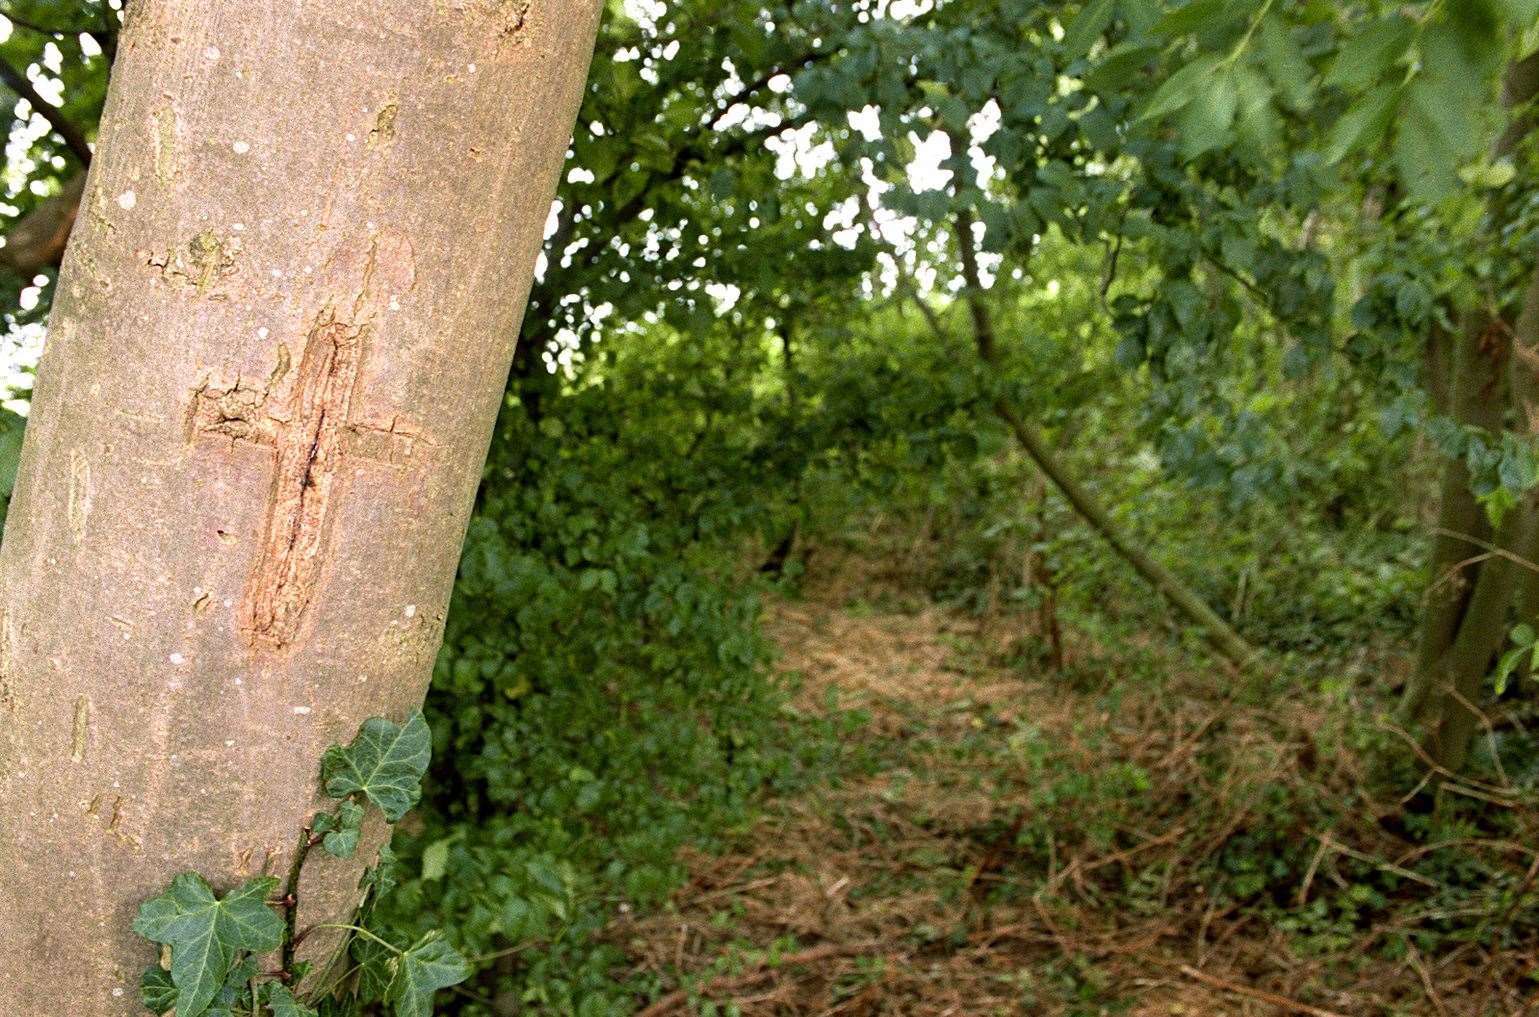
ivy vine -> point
(212, 946)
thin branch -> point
(71, 135)
(1272, 998)
(48, 30)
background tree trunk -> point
(1471, 593)
(279, 343)
(1456, 680)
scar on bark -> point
(311, 431)
(510, 16)
(304, 414)
(517, 13)
(383, 131)
(82, 729)
(200, 263)
(309, 450)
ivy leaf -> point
(156, 990)
(206, 933)
(283, 1004)
(235, 989)
(381, 878)
(374, 968)
(431, 964)
(341, 840)
(385, 764)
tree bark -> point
(1455, 682)
(280, 340)
(1477, 396)
(1220, 635)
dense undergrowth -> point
(606, 705)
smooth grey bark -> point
(280, 340)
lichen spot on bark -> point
(80, 494)
(164, 131)
(383, 131)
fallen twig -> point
(1283, 1002)
(726, 983)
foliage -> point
(1219, 242)
(214, 943)
(207, 936)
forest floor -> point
(1008, 841)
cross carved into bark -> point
(312, 431)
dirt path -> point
(964, 868)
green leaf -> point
(385, 764)
(341, 839)
(1182, 87)
(156, 990)
(1206, 120)
(1140, 15)
(1448, 115)
(1508, 664)
(381, 878)
(1119, 67)
(12, 428)
(435, 857)
(375, 968)
(1429, 142)
(431, 964)
(206, 934)
(1521, 13)
(1285, 62)
(1260, 128)
(283, 1004)
(1364, 124)
(1087, 28)
(1364, 58)
(1199, 15)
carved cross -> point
(312, 432)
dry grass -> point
(938, 883)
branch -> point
(18, 83)
(1270, 998)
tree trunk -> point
(1219, 633)
(1476, 396)
(1454, 683)
(280, 339)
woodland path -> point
(933, 881)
